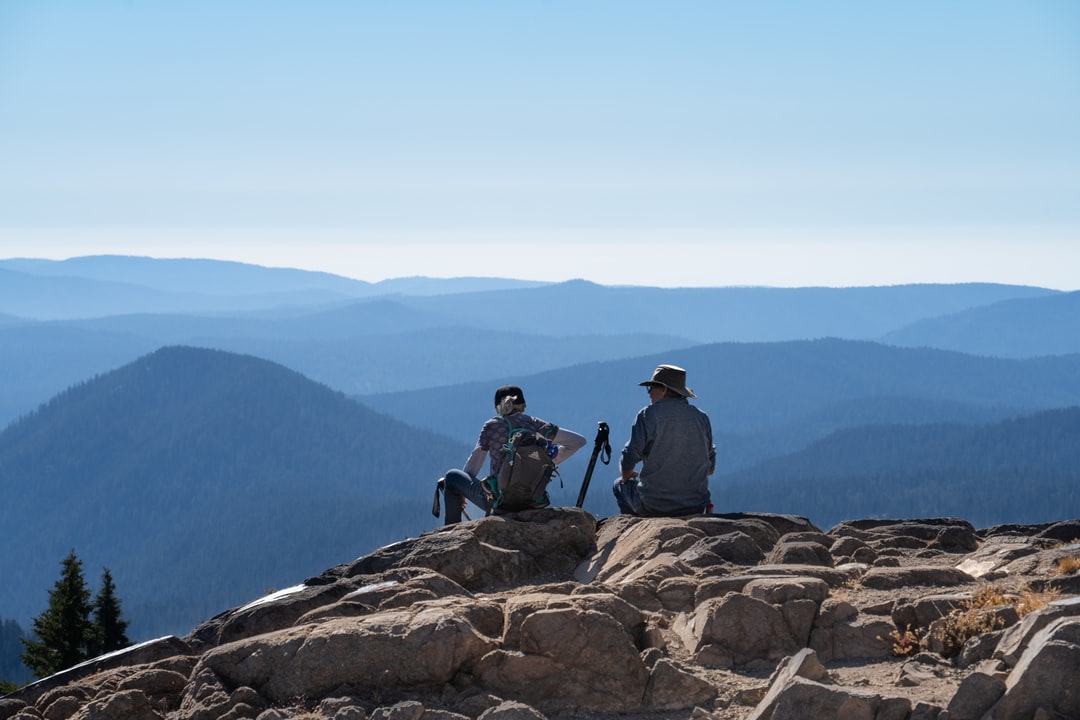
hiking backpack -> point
(527, 468)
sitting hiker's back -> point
(673, 441)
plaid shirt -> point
(495, 434)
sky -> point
(705, 143)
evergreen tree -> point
(63, 631)
(109, 627)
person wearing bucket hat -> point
(673, 441)
(458, 486)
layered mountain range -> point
(209, 431)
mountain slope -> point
(200, 477)
(1022, 470)
(192, 275)
(39, 360)
(1022, 327)
(59, 297)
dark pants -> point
(628, 496)
(459, 485)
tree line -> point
(76, 627)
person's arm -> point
(569, 442)
(634, 450)
(475, 464)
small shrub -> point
(988, 596)
(961, 625)
(905, 644)
(975, 617)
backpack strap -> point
(547, 430)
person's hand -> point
(627, 476)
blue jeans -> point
(459, 485)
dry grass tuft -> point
(848, 590)
(1068, 565)
(1032, 600)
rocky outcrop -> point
(551, 613)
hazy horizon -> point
(524, 279)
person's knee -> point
(456, 483)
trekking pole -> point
(601, 444)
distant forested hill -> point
(103, 285)
(1026, 469)
(718, 314)
(201, 479)
(1020, 327)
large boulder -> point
(892, 578)
(627, 546)
(493, 552)
(145, 653)
(734, 547)
(861, 637)
(736, 629)
(997, 552)
(520, 606)
(421, 647)
(673, 686)
(977, 693)
(789, 552)
(1046, 676)
(569, 660)
(1016, 639)
(804, 664)
(802, 699)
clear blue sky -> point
(838, 142)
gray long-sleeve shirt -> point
(673, 441)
